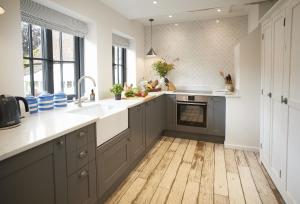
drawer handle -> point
(60, 142)
(82, 134)
(83, 154)
(83, 174)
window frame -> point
(122, 65)
(48, 61)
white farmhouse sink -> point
(112, 119)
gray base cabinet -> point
(154, 119)
(35, 176)
(217, 115)
(170, 112)
(137, 131)
(52, 173)
(119, 155)
(113, 160)
(81, 166)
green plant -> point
(162, 68)
(117, 89)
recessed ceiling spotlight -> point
(155, 2)
(217, 21)
(219, 10)
(2, 11)
(170, 16)
(176, 24)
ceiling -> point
(181, 10)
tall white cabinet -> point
(280, 100)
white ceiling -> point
(142, 10)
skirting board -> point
(241, 147)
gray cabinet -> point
(154, 120)
(35, 176)
(53, 173)
(113, 160)
(81, 167)
(170, 112)
(217, 114)
(137, 129)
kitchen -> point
(149, 101)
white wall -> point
(11, 69)
(102, 22)
(203, 47)
(243, 113)
(253, 18)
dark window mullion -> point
(113, 64)
(49, 62)
(31, 60)
(124, 65)
(61, 63)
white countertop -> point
(43, 127)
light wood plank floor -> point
(188, 171)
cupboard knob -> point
(83, 154)
(284, 100)
(81, 134)
(270, 95)
(83, 174)
(60, 142)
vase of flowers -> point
(228, 81)
(162, 68)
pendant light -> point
(2, 10)
(151, 52)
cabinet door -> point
(149, 123)
(137, 136)
(279, 136)
(113, 161)
(293, 152)
(35, 176)
(170, 112)
(217, 116)
(266, 87)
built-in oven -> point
(192, 111)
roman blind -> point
(120, 41)
(35, 13)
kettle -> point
(10, 110)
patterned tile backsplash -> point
(203, 47)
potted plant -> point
(117, 91)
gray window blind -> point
(120, 41)
(35, 13)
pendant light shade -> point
(2, 10)
(151, 52)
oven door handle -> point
(196, 103)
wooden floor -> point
(188, 171)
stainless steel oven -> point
(192, 110)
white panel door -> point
(266, 90)
(293, 153)
(279, 136)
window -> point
(53, 61)
(119, 65)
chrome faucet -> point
(78, 87)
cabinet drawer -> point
(82, 185)
(80, 157)
(80, 138)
